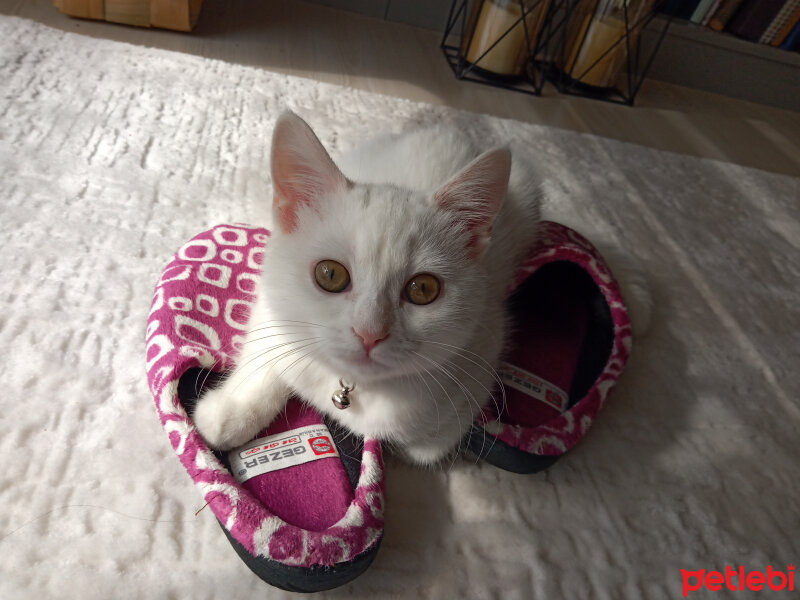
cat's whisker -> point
(306, 355)
(488, 392)
(260, 355)
(275, 360)
(455, 410)
(432, 397)
(260, 370)
(470, 397)
(294, 362)
(205, 378)
(293, 321)
(420, 419)
(480, 409)
(463, 351)
(275, 323)
(308, 364)
(272, 335)
(270, 349)
(476, 380)
(416, 392)
(489, 368)
(343, 434)
(343, 437)
(446, 371)
(465, 391)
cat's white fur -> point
(424, 202)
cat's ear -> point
(302, 170)
(476, 194)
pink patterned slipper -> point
(303, 503)
(571, 341)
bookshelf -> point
(719, 62)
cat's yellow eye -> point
(331, 276)
(422, 289)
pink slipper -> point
(303, 503)
(571, 341)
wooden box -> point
(180, 15)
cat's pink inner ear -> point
(302, 170)
(476, 194)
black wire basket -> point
(494, 41)
(591, 48)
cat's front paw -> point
(224, 423)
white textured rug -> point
(112, 155)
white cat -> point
(390, 278)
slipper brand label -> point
(533, 386)
(280, 451)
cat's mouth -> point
(362, 367)
(368, 363)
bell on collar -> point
(341, 397)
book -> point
(724, 13)
(700, 12)
(711, 11)
(784, 31)
(779, 21)
(792, 41)
(680, 9)
(752, 19)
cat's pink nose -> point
(370, 339)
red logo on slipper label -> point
(535, 387)
(321, 445)
(281, 451)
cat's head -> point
(377, 280)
